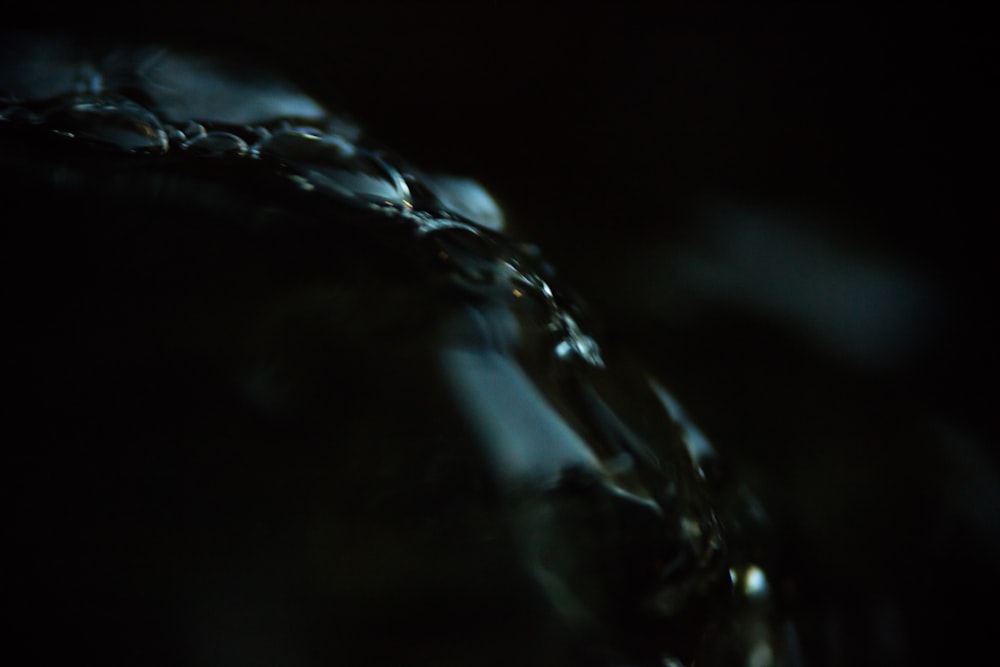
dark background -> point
(626, 140)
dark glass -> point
(281, 398)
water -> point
(293, 400)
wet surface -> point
(857, 468)
(340, 282)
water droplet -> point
(469, 199)
(216, 144)
(308, 144)
(335, 165)
(174, 135)
(111, 122)
(193, 129)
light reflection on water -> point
(858, 308)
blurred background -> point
(783, 209)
